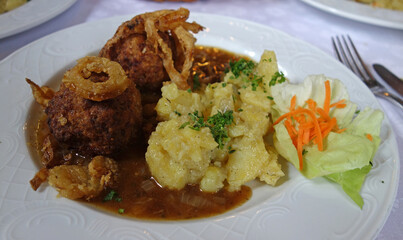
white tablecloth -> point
(376, 44)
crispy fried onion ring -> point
(42, 95)
(78, 79)
(173, 23)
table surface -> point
(376, 44)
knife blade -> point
(389, 78)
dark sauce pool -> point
(138, 195)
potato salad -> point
(214, 135)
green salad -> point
(319, 130)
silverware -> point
(352, 59)
(389, 78)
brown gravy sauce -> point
(142, 197)
(138, 195)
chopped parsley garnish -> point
(217, 123)
(304, 152)
(247, 68)
(357, 112)
(230, 150)
(189, 90)
(241, 66)
(255, 81)
(112, 195)
(224, 84)
(178, 113)
(184, 125)
(218, 126)
(278, 77)
(198, 121)
(240, 110)
(121, 210)
(269, 97)
(196, 82)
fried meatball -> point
(95, 128)
(141, 56)
(141, 64)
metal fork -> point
(353, 60)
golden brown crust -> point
(155, 47)
(95, 128)
(75, 182)
(40, 177)
(142, 65)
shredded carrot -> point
(311, 124)
(312, 115)
(293, 103)
(305, 138)
(328, 129)
(341, 130)
(291, 131)
(323, 114)
(326, 104)
(311, 104)
(369, 136)
(339, 103)
(290, 128)
(307, 125)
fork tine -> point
(336, 50)
(357, 69)
(351, 59)
(344, 58)
(360, 59)
(356, 64)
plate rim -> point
(28, 25)
(322, 5)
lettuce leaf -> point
(346, 156)
(342, 152)
(351, 181)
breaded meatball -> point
(95, 128)
(142, 65)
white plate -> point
(360, 12)
(31, 14)
(298, 208)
